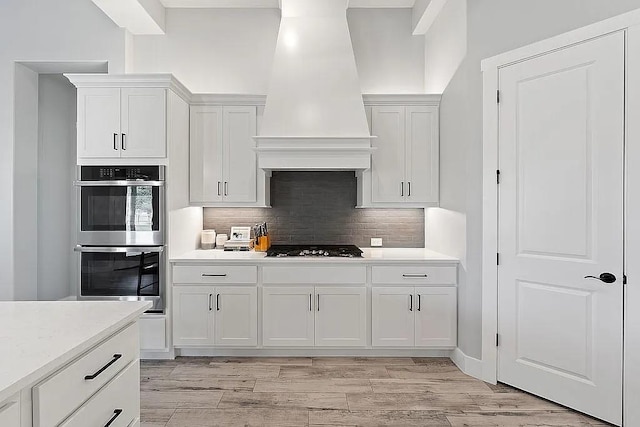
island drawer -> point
(315, 275)
(63, 392)
(116, 405)
(215, 274)
(414, 274)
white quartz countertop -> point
(38, 337)
(369, 256)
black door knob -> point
(604, 277)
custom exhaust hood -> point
(314, 117)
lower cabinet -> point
(220, 316)
(414, 316)
(10, 411)
(314, 316)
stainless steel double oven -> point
(121, 233)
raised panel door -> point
(236, 316)
(205, 152)
(436, 316)
(144, 123)
(392, 317)
(287, 316)
(239, 170)
(193, 316)
(388, 160)
(341, 316)
(99, 123)
(422, 154)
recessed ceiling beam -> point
(425, 13)
(137, 16)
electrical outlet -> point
(376, 242)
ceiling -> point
(275, 3)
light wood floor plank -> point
(378, 418)
(174, 399)
(313, 386)
(238, 417)
(336, 371)
(278, 361)
(524, 419)
(225, 370)
(198, 384)
(283, 400)
(410, 402)
(425, 372)
(368, 361)
(441, 386)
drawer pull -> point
(116, 414)
(104, 368)
(414, 276)
(214, 275)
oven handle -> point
(119, 183)
(119, 249)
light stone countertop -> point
(369, 256)
(38, 337)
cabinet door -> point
(392, 316)
(388, 160)
(436, 316)
(205, 151)
(99, 123)
(193, 315)
(236, 319)
(10, 411)
(287, 316)
(239, 167)
(422, 154)
(341, 317)
(144, 122)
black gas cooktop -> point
(344, 251)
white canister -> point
(221, 239)
(208, 239)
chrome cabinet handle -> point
(104, 368)
(419, 298)
(409, 183)
(214, 275)
(411, 302)
(414, 276)
(115, 141)
(219, 188)
(124, 146)
(310, 302)
(116, 414)
(318, 302)
(226, 188)
(217, 302)
(402, 188)
(210, 303)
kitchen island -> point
(69, 363)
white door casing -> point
(287, 316)
(236, 316)
(341, 316)
(561, 148)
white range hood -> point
(314, 118)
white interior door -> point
(561, 219)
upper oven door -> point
(121, 212)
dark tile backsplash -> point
(319, 208)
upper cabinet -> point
(223, 169)
(124, 118)
(405, 164)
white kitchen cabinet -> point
(236, 316)
(121, 123)
(193, 315)
(405, 164)
(341, 316)
(10, 411)
(392, 317)
(287, 316)
(436, 316)
(414, 317)
(223, 166)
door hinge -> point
(624, 279)
(498, 176)
(498, 258)
(498, 96)
(497, 340)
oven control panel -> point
(121, 173)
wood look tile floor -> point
(341, 391)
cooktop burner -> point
(344, 251)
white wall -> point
(231, 50)
(494, 26)
(41, 30)
(445, 45)
(56, 172)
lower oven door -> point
(123, 273)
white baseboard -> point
(69, 298)
(315, 352)
(157, 355)
(467, 364)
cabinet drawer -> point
(315, 275)
(414, 275)
(61, 394)
(215, 274)
(118, 402)
(10, 412)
